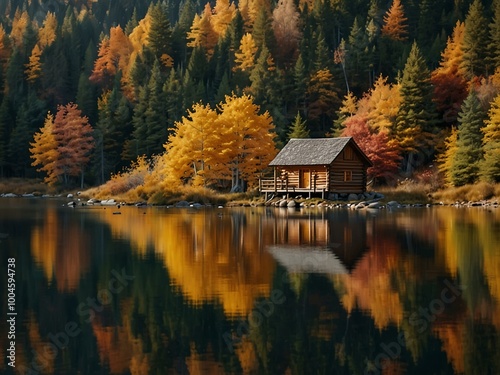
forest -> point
(205, 93)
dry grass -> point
(476, 192)
(408, 191)
(24, 186)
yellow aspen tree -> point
(383, 104)
(244, 9)
(202, 33)
(395, 26)
(223, 14)
(47, 33)
(245, 57)
(445, 160)
(44, 150)
(139, 35)
(490, 166)
(34, 67)
(192, 149)
(246, 138)
(255, 7)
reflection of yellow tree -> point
(61, 253)
(210, 257)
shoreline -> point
(412, 195)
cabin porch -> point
(301, 180)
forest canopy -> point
(414, 82)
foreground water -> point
(250, 291)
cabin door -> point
(305, 179)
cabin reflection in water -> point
(329, 242)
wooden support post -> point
(275, 180)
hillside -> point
(414, 82)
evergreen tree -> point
(6, 124)
(467, 159)
(28, 118)
(155, 114)
(173, 98)
(416, 117)
(299, 128)
(159, 36)
(475, 43)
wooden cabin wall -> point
(293, 174)
(347, 161)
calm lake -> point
(249, 290)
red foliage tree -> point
(384, 156)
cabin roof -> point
(314, 151)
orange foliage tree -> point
(73, 134)
(394, 22)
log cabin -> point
(323, 166)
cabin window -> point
(348, 155)
(347, 176)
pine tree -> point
(299, 128)
(465, 165)
(475, 42)
(322, 99)
(490, 166)
(416, 116)
(159, 36)
(28, 117)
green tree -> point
(159, 36)
(475, 42)
(28, 118)
(467, 159)
(299, 128)
(416, 117)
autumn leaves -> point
(62, 146)
(214, 146)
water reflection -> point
(354, 283)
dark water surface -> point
(250, 291)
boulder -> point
(282, 203)
(291, 203)
(9, 195)
(69, 195)
(352, 197)
(393, 204)
(375, 205)
(182, 204)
